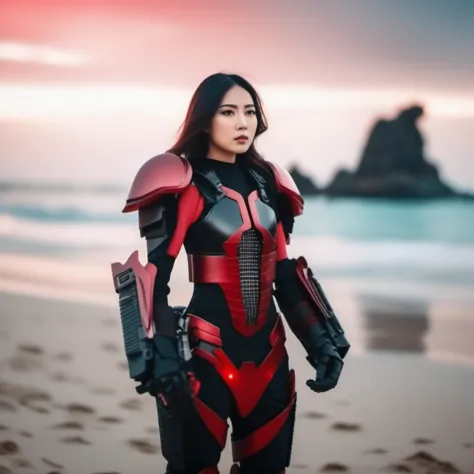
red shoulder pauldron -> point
(163, 174)
(287, 186)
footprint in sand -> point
(107, 472)
(143, 446)
(59, 377)
(110, 419)
(64, 356)
(35, 400)
(24, 363)
(377, 451)
(23, 463)
(3, 428)
(110, 347)
(75, 440)
(398, 467)
(131, 404)
(79, 408)
(342, 426)
(103, 391)
(30, 349)
(334, 467)
(313, 415)
(68, 425)
(468, 445)
(5, 470)
(123, 365)
(425, 461)
(25, 434)
(24, 395)
(423, 441)
(7, 406)
(41, 410)
(8, 447)
(52, 463)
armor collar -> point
(208, 182)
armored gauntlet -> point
(311, 318)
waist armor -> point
(233, 245)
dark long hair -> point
(193, 141)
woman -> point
(233, 212)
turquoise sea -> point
(429, 241)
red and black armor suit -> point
(234, 221)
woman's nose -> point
(241, 122)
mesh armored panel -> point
(250, 251)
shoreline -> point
(377, 317)
(65, 396)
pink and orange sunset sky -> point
(91, 89)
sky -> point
(91, 89)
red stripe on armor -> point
(222, 269)
(190, 206)
(267, 238)
(200, 329)
(211, 268)
(248, 383)
(261, 437)
(209, 470)
(214, 423)
(232, 243)
(281, 242)
(302, 273)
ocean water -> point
(418, 242)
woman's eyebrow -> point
(233, 106)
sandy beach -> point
(68, 406)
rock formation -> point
(305, 184)
(393, 164)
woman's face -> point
(235, 117)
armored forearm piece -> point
(134, 285)
(311, 318)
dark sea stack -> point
(305, 184)
(393, 164)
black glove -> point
(170, 383)
(324, 357)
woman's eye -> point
(228, 112)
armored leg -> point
(262, 441)
(194, 446)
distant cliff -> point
(392, 165)
(305, 184)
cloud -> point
(48, 102)
(41, 54)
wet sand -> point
(68, 406)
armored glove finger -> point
(328, 370)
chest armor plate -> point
(233, 245)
